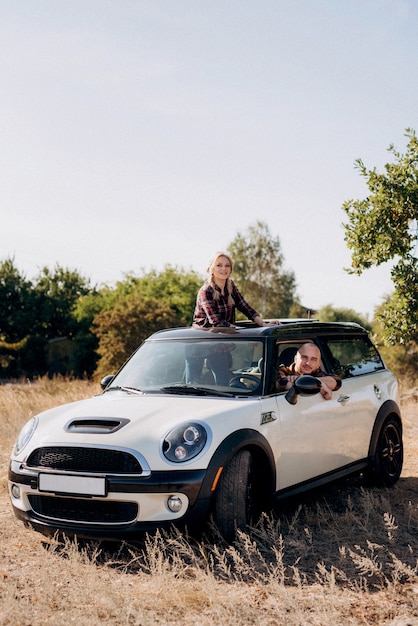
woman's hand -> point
(260, 322)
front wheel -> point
(387, 461)
(237, 502)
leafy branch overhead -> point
(383, 227)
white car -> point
(194, 427)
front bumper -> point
(130, 505)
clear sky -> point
(140, 133)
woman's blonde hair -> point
(228, 284)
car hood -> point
(146, 420)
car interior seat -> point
(287, 356)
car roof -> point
(287, 329)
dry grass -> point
(343, 555)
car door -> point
(365, 384)
(315, 436)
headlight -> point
(25, 434)
(184, 442)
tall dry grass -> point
(19, 402)
(342, 555)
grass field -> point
(343, 555)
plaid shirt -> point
(210, 312)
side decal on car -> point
(267, 417)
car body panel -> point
(314, 439)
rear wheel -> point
(387, 461)
(238, 501)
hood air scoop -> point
(96, 425)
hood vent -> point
(96, 425)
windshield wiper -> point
(192, 389)
(124, 388)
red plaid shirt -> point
(210, 312)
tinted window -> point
(354, 356)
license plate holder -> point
(72, 485)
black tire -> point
(237, 502)
(386, 466)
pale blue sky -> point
(140, 133)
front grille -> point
(96, 460)
(91, 511)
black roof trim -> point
(288, 328)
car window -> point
(209, 363)
(287, 354)
(353, 357)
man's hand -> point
(325, 391)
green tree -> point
(33, 313)
(86, 342)
(401, 358)
(123, 328)
(137, 307)
(17, 312)
(383, 227)
(174, 286)
(22, 352)
(57, 293)
(259, 273)
(330, 314)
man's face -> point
(307, 359)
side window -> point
(287, 351)
(353, 356)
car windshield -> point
(208, 367)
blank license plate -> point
(83, 485)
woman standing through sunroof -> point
(219, 298)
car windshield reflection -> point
(202, 367)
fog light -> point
(174, 503)
(15, 491)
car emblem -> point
(267, 417)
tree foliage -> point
(383, 227)
(56, 295)
(402, 359)
(16, 302)
(62, 312)
(329, 313)
(259, 273)
(139, 306)
(173, 286)
(58, 322)
(123, 328)
(32, 313)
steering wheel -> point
(247, 381)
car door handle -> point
(343, 398)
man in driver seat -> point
(307, 361)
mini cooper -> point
(194, 428)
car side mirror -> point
(106, 381)
(304, 386)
